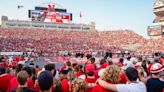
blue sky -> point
(108, 14)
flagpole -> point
(80, 21)
(80, 18)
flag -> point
(65, 16)
(20, 6)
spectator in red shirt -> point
(64, 81)
(90, 79)
(79, 85)
(70, 77)
(123, 79)
(13, 82)
(80, 71)
(4, 79)
(30, 82)
(111, 75)
(103, 64)
(121, 62)
(22, 78)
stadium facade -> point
(55, 26)
(156, 30)
(49, 15)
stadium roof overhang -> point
(159, 11)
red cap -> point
(90, 68)
(62, 68)
(104, 65)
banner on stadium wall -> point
(13, 53)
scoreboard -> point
(50, 14)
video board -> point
(50, 14)
(154, 30)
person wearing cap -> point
(132, 86)
(90, 79)
(45, 81)
(154, 84)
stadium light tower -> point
(157, 28)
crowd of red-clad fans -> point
(108, 67)
(50, 41)
(109, 72)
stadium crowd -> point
(108, 67)
(129, 74)
(50, 41)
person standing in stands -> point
(57, 86)
(30, 82)
(154, 84)
(110, 75)
(70, 77)
(132, 86)
(79, 85)
(50, 67)
(103, 64)
(4, 79)
(90, 79)
(13, 82)
(64, 80)
(22, 78)
(45, 81)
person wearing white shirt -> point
(131, 86)
(128, 63)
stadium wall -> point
(56, 26)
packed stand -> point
(130, 73)
(50, 41)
